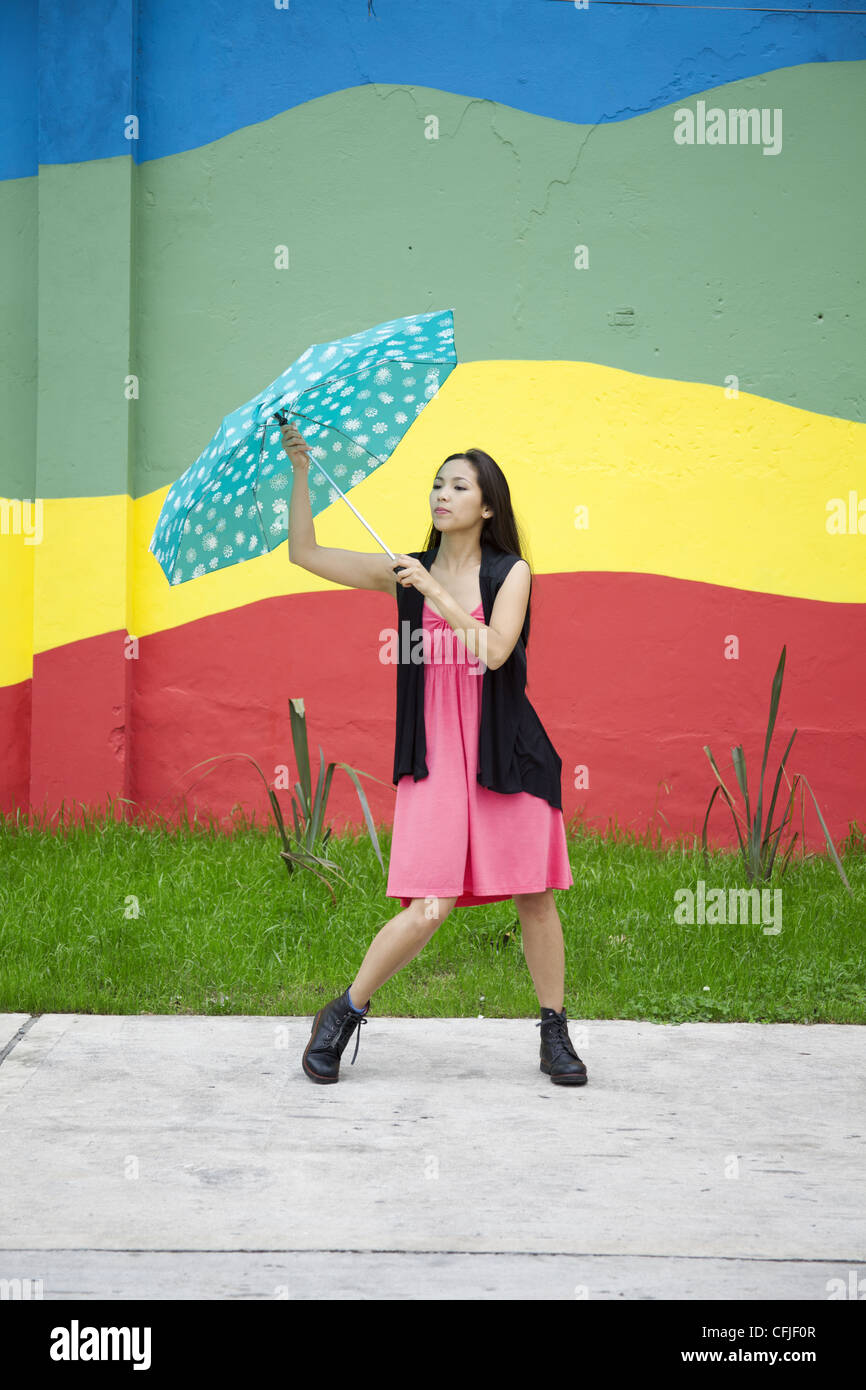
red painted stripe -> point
(15, 703)
(627, 672)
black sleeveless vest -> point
(514, 752)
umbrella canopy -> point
(355, 398)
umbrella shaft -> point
(280, 416)
(355, 510)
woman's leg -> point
(543, 946)
(398, 942)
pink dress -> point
(451, 836)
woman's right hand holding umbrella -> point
(295, 445)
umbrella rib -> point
(403, 361)
(322, 468)
(246, 440)
(242, 443)
(418, 361)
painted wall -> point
(661, 343)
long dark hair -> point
(499, 530)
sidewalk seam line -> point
(389, 1250)
(15, 1040)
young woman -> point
(478, 816)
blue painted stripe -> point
(204, 71)
(19, 147)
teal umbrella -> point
(357, 397)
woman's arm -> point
(494, 642)
(509, 611)
(354, 568)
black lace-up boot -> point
(332, 1028)
(559, 1060)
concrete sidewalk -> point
(157, 1156)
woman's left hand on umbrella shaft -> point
(411, 572)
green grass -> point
(118, 917)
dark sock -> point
(548, 1013)
(352, 1006)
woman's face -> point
(456, 489)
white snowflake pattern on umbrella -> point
(337, 414)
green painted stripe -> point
(18, 215)
(703, 261)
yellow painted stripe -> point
(16, 599)
(677, 479)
